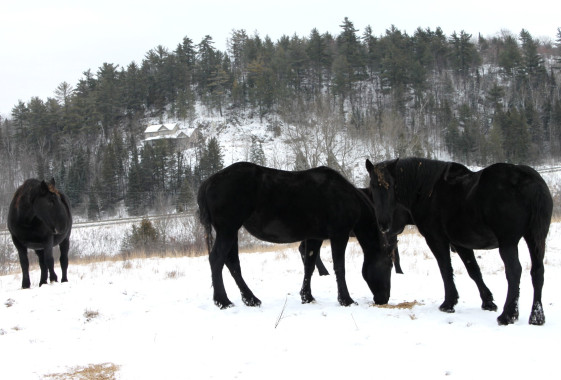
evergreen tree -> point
(134, 197)
(516, 136)
(510, 59)
(495, 141)
(532, 61)
(108, 180)
(211, 160)
(77, 179)
(464, 55)
(186, 197)
(256, 154)
(94, 206)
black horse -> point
(283, 207)
(400, 220)
(453, 206)
(39, 218)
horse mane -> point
(415, 177)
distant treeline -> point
(473, 98)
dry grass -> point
(103, 371)
(90, 314)
(401, 306)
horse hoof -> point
(347, 302)
(223, 304)
(505, 320)
(489, 305)
(447, 308)
(537, 316)
(308, 299)
(536, 322)
(252, 302)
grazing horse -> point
(284, 207)
(39, 218)
(453, 206)
(401, 219)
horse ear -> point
(369, 165)
(53, 181)
(455, 172)
(44, 186)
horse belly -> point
(278, 230)
(473, 237)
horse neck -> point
(415, 180)
(367, 234)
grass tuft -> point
(401, 306)
(90, 314)
(103, 371)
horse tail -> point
(204, 215)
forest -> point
(471, 98)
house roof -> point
(159, 127)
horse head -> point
(49, 207)
(382, 188)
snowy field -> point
(155, 319)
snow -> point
(154, 318)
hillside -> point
(298, 102)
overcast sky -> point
(44, 43)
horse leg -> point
(395, 254)
(233, 264)
(309, 249)
(474, 271)
(43, 265)
(513, 269)
(441, 251)
(50, 262)
(64, 247)
(319, 264)
(24, 263)
(537, 253)
(217, 258)
(338, 246)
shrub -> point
(142, 238)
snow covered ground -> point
(155, 319)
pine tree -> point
(211, 160)
(256, 154)
(186, 197)
(464, 55)
(532, 61)
(108, 180)
(76, 183)
(133, 199)
(510, 59)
